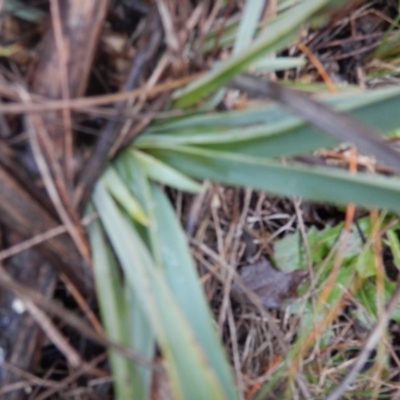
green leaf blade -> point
(163, 173)
(320, 184)
(122, 194)
(127, 383)
(192, 376)
(275, 36)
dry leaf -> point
(269, 284)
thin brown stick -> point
(99, 156)
(10, 161)
(40, 238)
(235, 351)
(66, 216)
(8, 283)
(12, 387)
(169, 27)
(319, 67)
(82, 103)
(83, 305)
(81, 23)
(52, 332)
(67, 119)
(72, 377)
(30, 379)
(134, 131)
